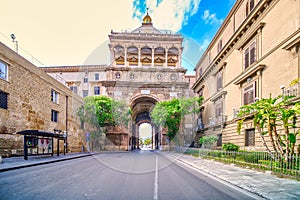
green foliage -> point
(208, 140)
(250, 157)
(103, 106)
(230, 147)
(147, 141)
(102, 111)
(121, 113)
(170, 113)
(267, 115)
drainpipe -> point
(66, 138)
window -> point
(219, 109)
(118, 75)
(250, 137)
(85, 80)
(96, 77)
(54, 115)
(3, 70)
(249, 93)
(219, 141)
(159, 76)
(249, 6)
(200, 72)
(97, 90)
(85, 93)
(81, 124)
(250, 55)
(3, 99)
(200, 93)
(74, 89)
(54, 96)
(219, 80)
(131, 76)
(220, 46)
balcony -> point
(292, 90)
(213, 122)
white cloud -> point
(211, 18)
(171, 14)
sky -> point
(75, 32)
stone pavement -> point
(262, 184)
(19, 162)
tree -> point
(170, 113)
(147, 141)
(269, 114)
(121, 113)
(102, 111)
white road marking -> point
(155, 194)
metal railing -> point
(292, 90)
(260, 160)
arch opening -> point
(142, 126)
(145, 132)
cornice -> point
(218, 95)
(239, 33)
(147, 69)
(236, 38)
(151, 84)
(78, 68)
(249, 72)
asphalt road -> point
(133, 175)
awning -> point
(40, 133)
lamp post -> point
(13, 37)
(65, 135)
(56, 131)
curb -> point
(43, 163)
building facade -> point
(255, 53)
(145, 68)
(32, 100)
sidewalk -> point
(19, 162)
(265, 185)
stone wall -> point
(29, 105)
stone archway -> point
(141, 107)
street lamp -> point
(13, 37)
(65, 135)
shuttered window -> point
(3, 100)
(250, 137)
(250, 55)
(219, 80)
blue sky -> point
(196, 20)
(78, 32)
